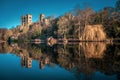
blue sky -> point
(12, 10)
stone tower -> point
(26, 20)
(26, 62)
(42, 17)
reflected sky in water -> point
(11, 69)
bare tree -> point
(64, 24)
(82, 18)
(118, 6)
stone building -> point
(26, 20)
(26, 62)
(42, 17)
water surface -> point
(81, 61)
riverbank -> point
(52, 41)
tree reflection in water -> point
(85, 58)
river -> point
(78, 61)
